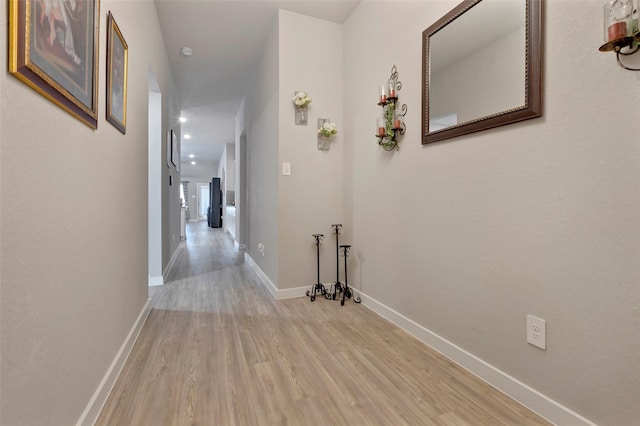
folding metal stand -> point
(337, 286)
(346, 291)
(318, 286)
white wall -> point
(242, 230)
(200, 170)
(230, 167)
(260, 116)
(468, 236)
(74, 230)
(311, 198)
(286, 210)
(154, 165)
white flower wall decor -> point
(301, 100)
(326, 129)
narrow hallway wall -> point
(74, 230)
(466, 237)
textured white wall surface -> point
(74, 233)
(260, 117)
(464, 237)
(468, 236)
(311, 198)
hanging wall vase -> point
(323, 142)
(301, 100)
(301, 115)
(326, 129)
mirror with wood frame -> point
(482, 66)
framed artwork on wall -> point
(117, 68)
(53, 48)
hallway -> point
(217, 349)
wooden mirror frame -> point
(532, 107)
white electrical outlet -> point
(261, 248)
(537, 332)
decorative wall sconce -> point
(326, 129)
(391, 123)
(621, 33)
(300, 101)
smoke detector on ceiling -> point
(186, 51)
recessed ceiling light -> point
(187, 136)
(193, 163)
(182, 119)
(186, 51)
(191, 155)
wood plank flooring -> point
(217, 349)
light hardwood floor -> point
(217, 349)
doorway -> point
(203, 200)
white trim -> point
(290, 293)
(99, 398)
(263, 277)
(287, 293)
(510, 386)
(167, 269)
(154, 281)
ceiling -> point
(226, 37)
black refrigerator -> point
(214, 214)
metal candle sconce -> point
(391, 124)
(621, 32)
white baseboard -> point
(167, 269)
(271, 287)
(99, 398)
(288, 293)
(154, 281)
(510, 386)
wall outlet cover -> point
(537, 332)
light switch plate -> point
(286, 169)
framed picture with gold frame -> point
(53, 48)
(117, 68)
